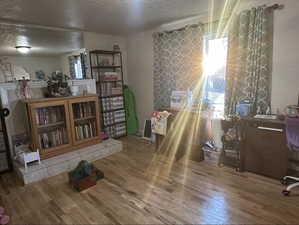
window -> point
(77, 66)
(215, 57)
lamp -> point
(23, 49)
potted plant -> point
(58, 85)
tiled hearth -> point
(66, 162)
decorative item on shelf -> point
(40, 75)
(292, 111)
(281, 116)
(23, 90)
(20, 73)
(244, 108)
(6, 70)
(84, 92)
(75, 90)
(84, 176)
(58, 85)
(116, 48)
(105, 62)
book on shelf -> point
(110, 76)
(108, 89)
(49, 115)
(116, 131)
(114, 117)
(107, 75)
(53, 138)
(103, 60)
(83, 110)
(86, 130)
(112, 103)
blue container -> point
(243, 108)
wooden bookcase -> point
(59, 125)
(106, 69)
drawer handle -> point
(270, 129)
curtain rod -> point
(273, 7)
(182, 28)
(276, 6)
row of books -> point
(109, 76)
(53, 138)
(120, 130)
(84, 109)
(108, 89)
(87, 130)
(112, 103)
(114, 117)
(49, 115)
(105, 60)
(116, 131)
(119, 116)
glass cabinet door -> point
(51, 127)
(85, 120)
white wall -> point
(140, 69)
(285, 77)
(96, 41)
(33, 63)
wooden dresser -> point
(185, 132)
(264, 148)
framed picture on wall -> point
(6, 71)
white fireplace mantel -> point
(89, 85)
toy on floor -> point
(25, 156)
(84, 176)
(4, 219)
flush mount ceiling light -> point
(23, 49)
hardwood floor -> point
(140, 190)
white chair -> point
(292, 132)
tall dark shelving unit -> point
(110, 90)
(5, 157)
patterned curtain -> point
(177, 62)
(248, 75)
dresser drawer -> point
(265, 149)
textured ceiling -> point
(103, 16)
(43, 41)
(120, 17)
